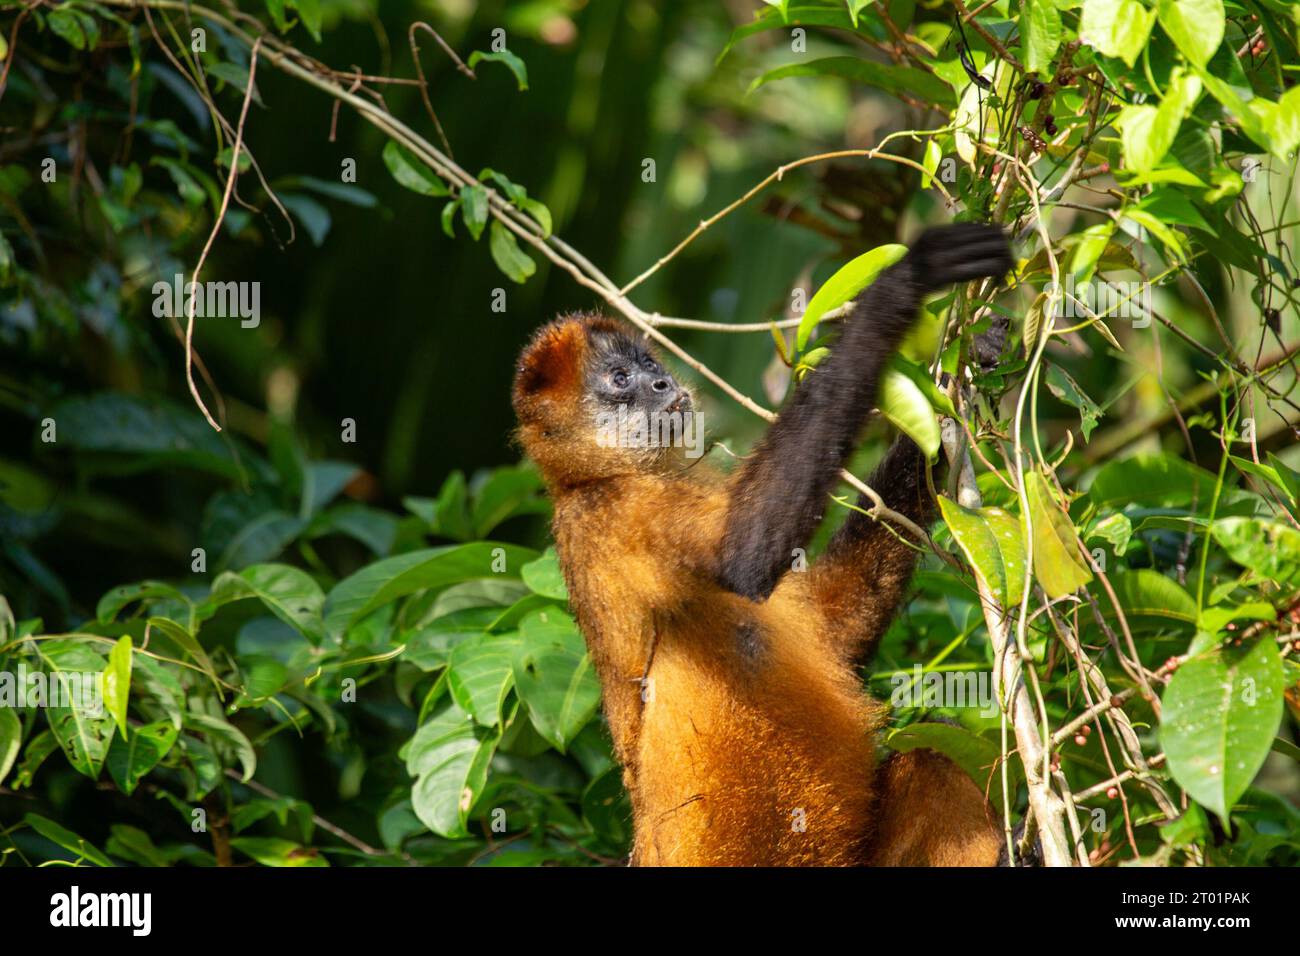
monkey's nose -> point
(660, 385)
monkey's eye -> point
(619, 378)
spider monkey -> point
(728, 680)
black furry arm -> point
(779, 494)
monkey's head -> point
(594, 401)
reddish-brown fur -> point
(744, 731)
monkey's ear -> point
(551, 366)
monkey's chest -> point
(750, 759)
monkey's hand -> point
(959, 253)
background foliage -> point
(356, 669)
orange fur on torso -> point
(753, 742)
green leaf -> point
(1195, 26)
(429, 646)
(1118, 28)
(506, 253)
(1154, 480)
(606, 807)
(1057, 563)
(480, 674)
(930, 161)
(892, 79)
(237, 77)
(65, 838)
(1269, 548)
(11, 739)
(134, 754)
(544, 576)
(474, 209)
(448, 757)
(1146, 593)
(117, 682)
(1289, 477)
(1148, 132)
(1040, 34)
(384, 581)
(506, 493)
(111, 604)
(1067, 390)
(411, 172)
(227, 736)
(290, 594)
(904, 404)
(553, 676)
(78, 28)
(273, 851)
(845, 284)
(507, 59)
(309, 11)
(83, 729)
(1221, 712)
(539, 212)
(799, 14)
(135, 434)
(991, 540)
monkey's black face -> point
(637, 405)
(622, 373)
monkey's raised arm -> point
(779, 495)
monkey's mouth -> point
(682, 403)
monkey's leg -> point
(931, 814)
(863, 576)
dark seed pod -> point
(1049, 125)
(1036, 90)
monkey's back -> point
(745, 739)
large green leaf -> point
(377, 584)
(1118, 28)
(991, 541)
(290, 594)
(1058, 565)
(448, 757)
(846, 283)
(134, 434)
(1221, 712)
(553, 676)
(1148, 132)
(1146, 593)
(1269, 548)
(480, 674)
(1040, 34)
(1195, 26)
(1162, 481)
